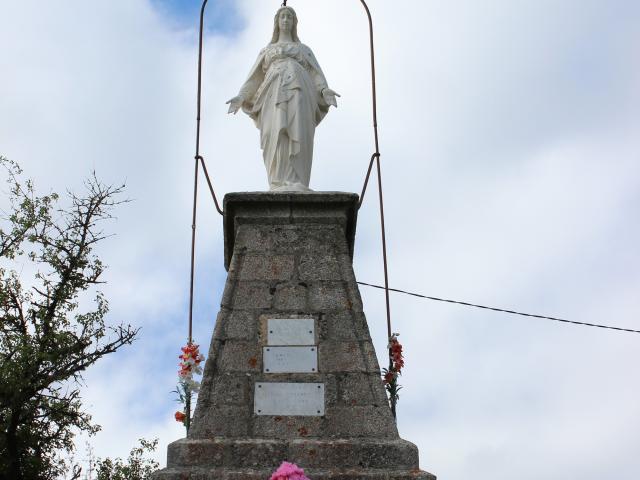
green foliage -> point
(136, 467)
(52, 322)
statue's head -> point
(285, 18)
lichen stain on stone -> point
(303, 432)
(253, 362)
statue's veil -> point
(276, 26)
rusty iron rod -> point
(213, 193)
(374, 101)
(195, 175)
(384, 248)
(199, 160)
(376, 157)
(193, 252)
(366, 179)
(373, 76)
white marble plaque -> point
(291, 331)
(290, 359)
(289, 399)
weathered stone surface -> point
(239, 324)
(289, 256)
(344, 325)
(290, 297)
(213, 420)
(255, 295)
(267, 267)
(370, 358)
(333, 209)
(240, 356)
(315, 474)
(279, 426)
(343, 453)
(360, 421)
(329, 296)
(313, 267)
(341, 357)
(196, 453)
(360, 389)
(230, 389)
(397, 454)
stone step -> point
(265, 474)
(309, 453)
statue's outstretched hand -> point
(329, 97)
(235, 104)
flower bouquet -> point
(391, 374)
(190, 360)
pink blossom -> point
(289, 471)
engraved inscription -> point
(289, 399)
(290, 359)
(291, 331)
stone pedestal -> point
(289, 256)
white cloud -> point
(509, 134)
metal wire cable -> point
(502, 310)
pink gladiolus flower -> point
(289, 471)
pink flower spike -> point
(289, 471)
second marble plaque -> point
(290, 359)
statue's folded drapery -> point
(283, 95)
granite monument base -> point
(291, 374)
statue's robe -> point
(283, 95)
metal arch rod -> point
(373, 76)
(366, 178)
(200, 41)
(199, 160)
(376, 157)
(374, 97)
(213, 193)
(198, 157)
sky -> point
(510, 140)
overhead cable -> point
(512, 312)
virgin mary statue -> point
(287, 96)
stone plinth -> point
(289, 256)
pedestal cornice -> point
(288, 208)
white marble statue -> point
(287, 96)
